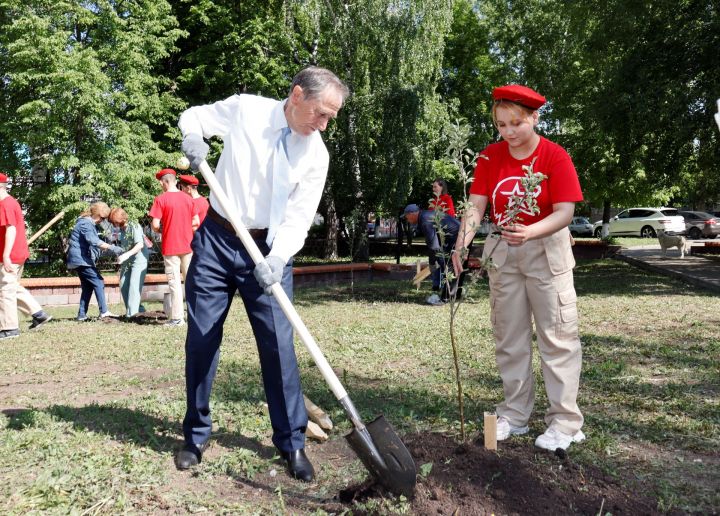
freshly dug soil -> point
(518, 478)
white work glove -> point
(123, 258)
(195, 149)
(268, 272)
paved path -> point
(696, 270)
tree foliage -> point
(91, 91)
(630, 84)
(82, 104)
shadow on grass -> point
(120, 423)
(129, 426)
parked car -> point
(580, 226)
(644, 222)
(700, 224)
(597, 228)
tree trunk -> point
(332, 223)
(606, 218)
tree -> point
(386, 136)
(470, 71)
(628, 83)
(82, 105)
(232, 47)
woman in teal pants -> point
(134, 261)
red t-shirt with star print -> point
(498, 174)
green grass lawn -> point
(91, 411)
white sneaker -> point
(553, 439)
(505, 429)
(175, 322)
(108, 314)
(434, 300)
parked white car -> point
(643, 222)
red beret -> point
(190, 180)
(164, 172)
(3, 178)
(520, 95)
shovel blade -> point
(385, 456)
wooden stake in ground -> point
(490, 430)
(46, 227)
(421, 273)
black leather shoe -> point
(299, 466)
(190, 455)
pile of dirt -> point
(516, 479)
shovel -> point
(376, 444)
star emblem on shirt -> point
(512, 195)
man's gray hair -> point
(313, 80)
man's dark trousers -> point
(221, 266)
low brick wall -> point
(66, 290)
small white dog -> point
(669, 241)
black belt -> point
(257, 234)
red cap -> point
(190, 180)
(164, 172)
(520, 95)
(3, 178)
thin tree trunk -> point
(332, 224)
(456, 362)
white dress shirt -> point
(249, 127)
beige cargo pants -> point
(176, 267)
(535, 281)
(14, 296)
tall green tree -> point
(628, 83)
(232, 47)
(82, 105)
(385, 139)
(470, 71)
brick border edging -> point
(65, 291)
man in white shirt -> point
(272, 168)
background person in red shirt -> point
(438, 252)
(532, 275)
(14, 248)
(442, 198)
(174, 213)
(189, 185)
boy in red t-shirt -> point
(176, 213)
(531, 277)
(14, 249)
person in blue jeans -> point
(133, 262)
(84, 250)
(438, 252)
